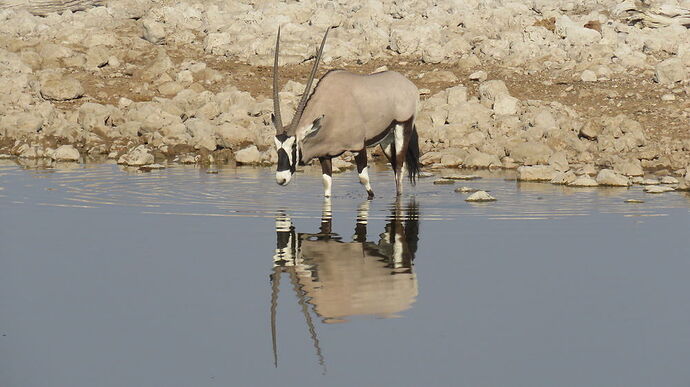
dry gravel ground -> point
(633, 94)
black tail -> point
(412, 157)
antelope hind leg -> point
(327, 170)
(363, 171)
(398, 156)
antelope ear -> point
(315, 127)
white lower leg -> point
(327, 181)
(364, 178)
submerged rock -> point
(480, 196)
(658, 189)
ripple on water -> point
(251, 192)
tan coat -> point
(356, 109)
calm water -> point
(179, 277)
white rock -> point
(61, 89)
(669, 180)
(480, 76)
(564, 178)
(649, 182)
(138, 156)
(66, 153)
(536, 173)
(559, 161)
(480, 196)
(583, 181)
(629, 167)
(575, 33)
(611, 178)
(670, 71)
(658, 189)
(490, 90)
(530, 153)
(153, 31)
(249, 155)
(588, 76)
(505, 104)
(668, 97)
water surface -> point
(179, 277)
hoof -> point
(370, 194)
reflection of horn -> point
(275, 288)
(301, 297)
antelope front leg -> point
(363, 171)
(327, 170)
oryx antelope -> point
(348, 112)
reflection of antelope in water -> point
(340, 279)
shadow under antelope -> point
(348, 112)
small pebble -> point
(634, 201)
(444, 181)
(212, 172)
(425, 174)
(480, 196)
(466, 189)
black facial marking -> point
(283, 161)
(282, 137)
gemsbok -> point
(348, 112)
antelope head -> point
(286, 141)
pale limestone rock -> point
(140, 155)
(153, 31)
(610, 178)
(559, 161)
(629, 167)
(505, 104)
(477, 159)
(562, 178)
(61, 89)
(480, 196)
(536, 173)
(480, 76)
(249, 155)
(588, 76)
(670, 71)
(530, 153)
(583, 181)
(658, 189)
(669, 180)
(66, 153)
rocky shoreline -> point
(580, 94)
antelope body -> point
(349, 112)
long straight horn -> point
(276, 101)
(307, 89)
(275, 288)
